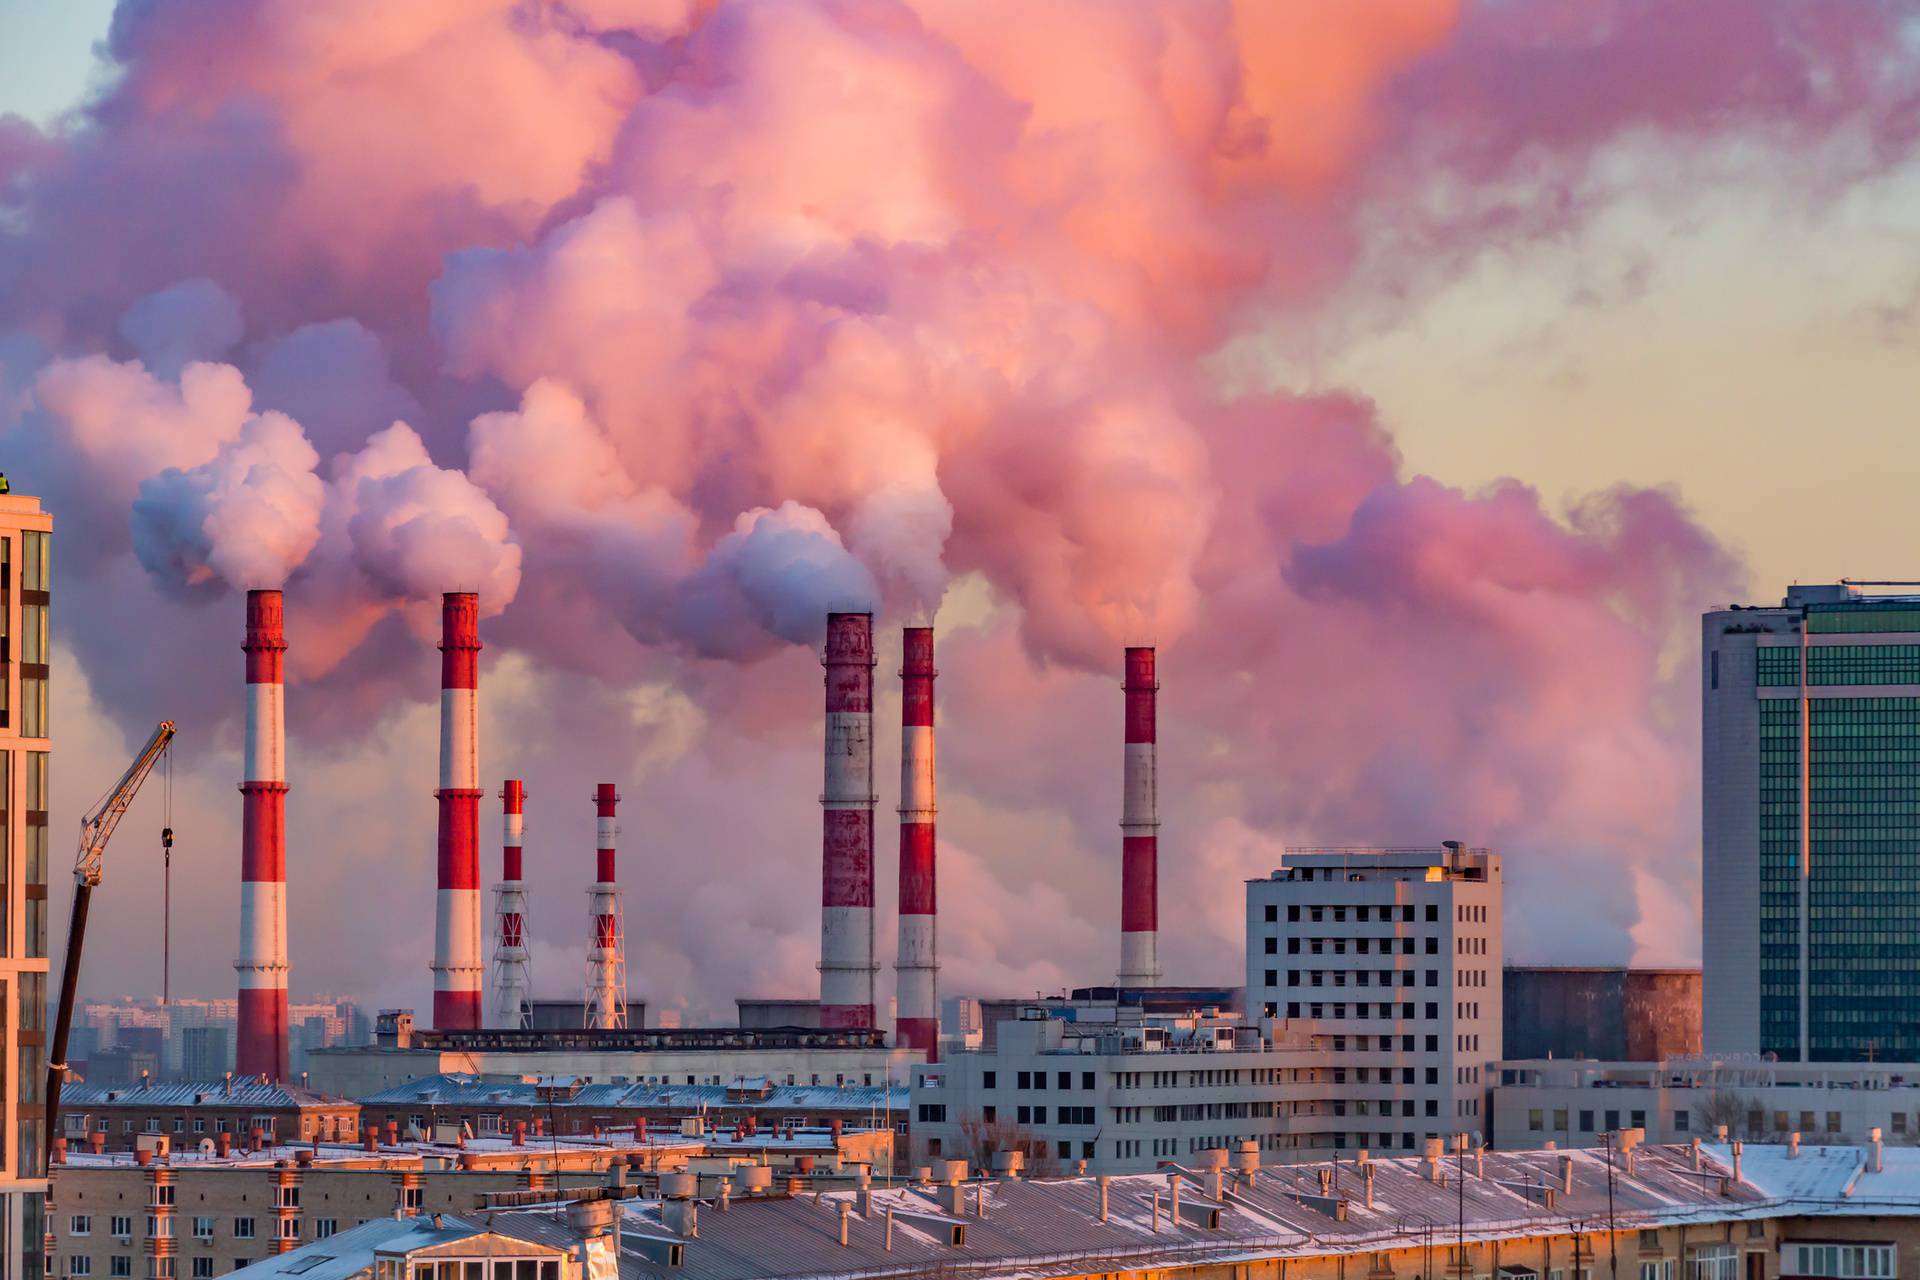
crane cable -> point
(166, 891)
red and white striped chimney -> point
(1140, 830)
(261, 1040)
(846, 837)
(512, 968)
(917, 1009)
(606, 999)
(456, 935)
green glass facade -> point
(1778, 667)
(1863, 891)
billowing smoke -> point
(668, 327)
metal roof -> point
(1041, 1228)
(454, 1089)
(248, 1091)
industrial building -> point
(1123, 1092)
(1575, 1104)
(569, 1105)
(1589, 1011)
(170, 1211)
(1696, 1214)
(1393, 957)
(98, 1117)
(1810, 867)
(26, 568)
(693, 1055)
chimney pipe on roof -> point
(1873, 1140)
(846, 840)
(1140, 827)
(260, 1039)
(1736, 1162)
(1793, 1145)
(456, 937)
(917, 1024)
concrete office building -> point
(1393, 956)
(1810, 869)
(1124, 1093)
(26, 535)
(1571, 1104)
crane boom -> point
(95, 830)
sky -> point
(1413, 374)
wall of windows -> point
(1863, 890)
(36, 582)
(1778, 666)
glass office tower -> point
(1811, 825)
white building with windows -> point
(1393, 957)
(1106, 1089)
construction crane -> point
(95, 830)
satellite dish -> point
(206, 1146)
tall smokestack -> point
(456, 935)
(512, 968)
(917, 968)
(846, 837)
(606, 1001)
(1140, 830)
(262, 966)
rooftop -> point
(455, 1089)
(245, 1091)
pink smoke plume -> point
(669, 326)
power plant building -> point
(1590, 1011)
(1810, 869)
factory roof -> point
(456, 1089)
(489, 1152)
(1042, 1228)
(245, 1091)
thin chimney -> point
(917, 969)
(606, 1002)
(456, 936)
(846, 841)
(512, 966)
(261, 1035)
(1140, 828)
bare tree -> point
(981, 1138)
(1727, 1107)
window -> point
(1024, 1080)
(289, 1228)
(1844, 1261)
(1662, 1270)
(1536, 1121)
(930, 1113)
(1680, 1122)
(989, 1079)
(80, 1266)
(243, 1227)
(1086, 1079)
(1586, 1122)
(1064, 1080)
(203, 1228)
(324, 1227)
(1712, 1262)
(81, 1224)
(122, 1226)
(1272, 913)
(1433, 913)
(202, 1267)
(120, 1264)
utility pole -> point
(1613, 1238)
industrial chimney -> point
(512, 968)
(1139, 830)
(606, 999)
(456, 935)
(917, 967)
(846, 837)
(261, 1042)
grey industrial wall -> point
(1630, 1015)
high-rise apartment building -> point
(1394, 956)
(1810, 860)
(25, 579)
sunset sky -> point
(1412, 372)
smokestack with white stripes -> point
(260, 1046)
(917, 967)
(1140, 828)
(846, 840)
(512, 967)
(606, 998)
(456, 934)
